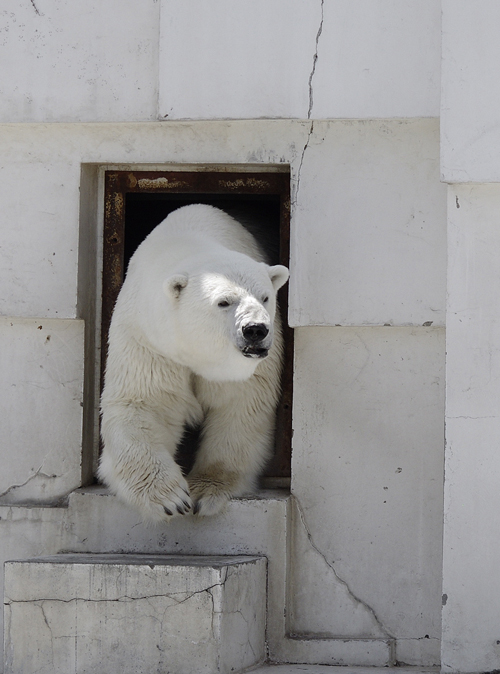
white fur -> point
(175, 358)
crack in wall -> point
(37, 473)
(35, 8)
(344, 584)
(299, 171)
(315, 58)
(124, 598)
(311, 102)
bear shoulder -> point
(198, 227)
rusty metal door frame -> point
(203, 180)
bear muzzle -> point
(257, 341)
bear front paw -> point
(210, 495)
(164, 497)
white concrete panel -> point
(473, 312)
(471, 91)
(368, 238)
(41, 390)
(378, 58)
(39, 237)
(350, 58)
(78, 60)
(236, 59)
(471, 584)
(368, 477)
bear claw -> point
(169, 512)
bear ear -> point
(278, 275)
(173, 286)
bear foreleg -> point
(235, 445)
(138, 464)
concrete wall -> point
(167, 59)
(469, 142)
(410, 399)
(348, 93)
(471, 545)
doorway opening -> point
(137, 201)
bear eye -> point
(266, 299)
(223, 303)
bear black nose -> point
(255, 332)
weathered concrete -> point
(371, 401)
(471, 611)
(134, 614)
(94, 521)
(470, 100)
(41, 397)
(288, 58)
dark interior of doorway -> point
(260, 213)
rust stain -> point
(160, 183)
(244, 182)
(116, 274)
(119, 202)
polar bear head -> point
(222, 311)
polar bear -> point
(195, 339)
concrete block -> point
(473, 317)
(41, 393)
(470, 133)
(81, 61)
(471, 611)
(367, 476)
(39, 234)
(286, 58)
(134, 614)
(368, 231)
(242, 60)
(378, 58)
(96, 521)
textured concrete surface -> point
(134, 614)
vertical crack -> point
(315, 58)
(299, 171)
(35, 8)
(311, 102)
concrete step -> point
(134, 614)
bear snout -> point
(255, 332)
(256, 340)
